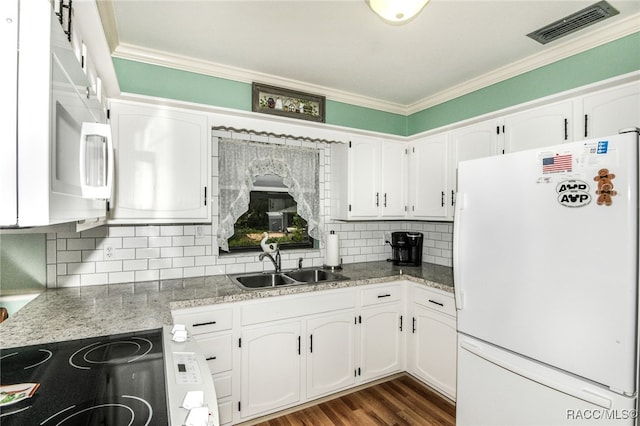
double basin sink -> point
(280, 279)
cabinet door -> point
(433, 349)
(428, 178)
(364, 177)
(162, 164)
(380, 341)
(271, 368)
(538, 128)
(477, 141)
(8, 119)
(392, 181)
(607, 112)
(331, 354)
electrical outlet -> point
(108, 252)
(199, 231)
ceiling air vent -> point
(574, 22)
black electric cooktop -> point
(111, 381)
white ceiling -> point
(342, 50)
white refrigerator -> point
(546, 285)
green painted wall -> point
(153, 80)
(22, 263)
(612, 59)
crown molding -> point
(190, 64)
(602, 36)
(569, 48)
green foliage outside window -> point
(289, 229)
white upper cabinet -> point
(368, 178)
(471, 142)
(363, 177)
(537, 128)
(428, 184)
(393, 180)
(162, 164)
(605, 113)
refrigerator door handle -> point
(583, 394)
(457, 271)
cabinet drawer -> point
(381, 294)
(223, 386)
(436, 300)
(217, 350)
(205, 321)
(225, 412)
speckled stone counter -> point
(80, 312)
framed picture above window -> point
(288, 103)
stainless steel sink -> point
(313, 275)
(263, 280)
(287, 278)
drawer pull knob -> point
(211, 358)
(436, 303)
(384, 295)
(198, 324)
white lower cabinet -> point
(273, 353)
(271, 368)
(331, 353)
(381, 331)
(433, 347)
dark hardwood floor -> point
(400, 401)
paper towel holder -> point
(333, 268)
(336, 267)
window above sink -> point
(273, 210)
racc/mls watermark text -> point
(601, 414)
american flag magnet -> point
(557, 163)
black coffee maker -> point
(406, 248)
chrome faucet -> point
(277, 262)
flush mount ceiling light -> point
(397, 11)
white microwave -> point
(63, 156)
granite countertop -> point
(81, 312)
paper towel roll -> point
(332, 257)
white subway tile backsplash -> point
(160, 263)
(160, 241)
(171, 230)
(169, 274)
(147, 253)
(81, 268)
(94, 279)
(121, 277)
(135, 265)
(170, 252)
(147, 275)
(147, 231)
(122, 231)
(109, 266)
(183, 262)
(174, 251)
(81, 243)
(69, 256)
(135, 242)
(125, 254)
(187, 240)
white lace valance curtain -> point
(241, 162)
